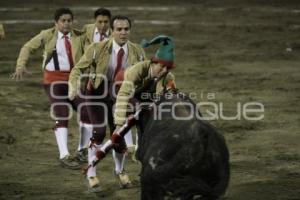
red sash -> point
(52, 76)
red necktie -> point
(69, 51)
(119, 61)
(102, 36)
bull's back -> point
(186, 151)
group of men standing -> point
(84, 69)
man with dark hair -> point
(102, 11)
(100, 30)
(120, 17)
(63, 11)
(108, 60)
(63, 46)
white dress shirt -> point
(97, 35)
(112, 65)
(62, 55)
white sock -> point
(85, 133)
(119, 159)
(128, 136)
(136, 141)
(61, 135)
(128, 139)
(91, 156)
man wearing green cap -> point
(143, 75)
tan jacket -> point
(136, 78)
(46, 39)
(89, 30)
(101, 52)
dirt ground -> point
(239, 51)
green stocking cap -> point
(165, 53)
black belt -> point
(55, 60)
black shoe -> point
(82, 155)
(70, 162)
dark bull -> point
(182, 159)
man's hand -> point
(118, 142)
(2, 33)
(116, 138)
(72, 94)
(19, 73)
